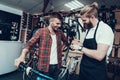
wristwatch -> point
(80, 48)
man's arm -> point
(29, 44)
(65, 41)
(98, 54)
(22, 57)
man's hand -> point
(18, 61)
(76, 44)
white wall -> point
(9, 51)
(10, 9)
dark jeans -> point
(53, 72)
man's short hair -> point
(90, 10)
(56, 15)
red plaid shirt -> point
(45, 42)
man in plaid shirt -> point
(51, 41)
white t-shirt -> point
(104, 35)
(53, 53)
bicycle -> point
(69, 69)
(39, 75)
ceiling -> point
(36, 6)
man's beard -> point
(88, 25)
(55, 29)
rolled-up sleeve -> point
(33, 40)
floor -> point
(17, 75)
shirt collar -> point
(93, 28)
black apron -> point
(92, 69)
